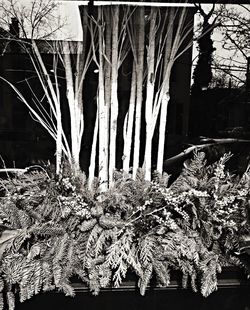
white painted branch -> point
(114, 98)
(59, 128)
(166, 47)
(128, 130)
(54, 102)
(73, 108)
(170, 52)
(93, 153)
(150, 94)
(139, 84)
(162, 131)
(102, 113)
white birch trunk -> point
(128, 126)
(167, 46)
(79, 92)
(150, 95)
(59, 129)
(107, 37)
(102, 112)
(93, 153)
(58, 139)
(165, 96)
(139, 84)
(162, 130)
(73, 109)
(114, 98)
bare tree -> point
(235, 29)
(37, 19)
(202, 75)
(231, 23)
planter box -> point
(233, 294)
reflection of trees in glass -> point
(234, 26)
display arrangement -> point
(55, 227)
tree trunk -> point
(164, 95)
(107, 37)
(129, 122)
(150, 94)
(102, 111)
(59, 128)
(114, 98)
(73, 109)
(81, 65)
(93, 153)
(162, 130)
(139, 85)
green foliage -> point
(54, 229)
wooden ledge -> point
(231, 277)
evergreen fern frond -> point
(193, 173)
(210, 267)
(162, 272)
(106, 236)
(93, 236)
(12, 269)
(1, 284)
(194, 282)
(161, 179)
(61, 248)
(57, 273)
(23, 293)
(145, 279)
(27, 272)
(120, 273)
(67, 289)
(120, 256)
(31, 289)
(105, 275)
(47, 275)
(108, 222)
(1, 301)
(94, 284)
(146, 249)
(88, 225)
(10, 300)
(47, 229)
(37, 277)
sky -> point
(68, 12)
